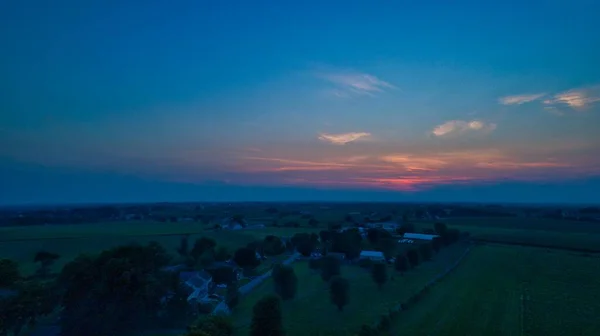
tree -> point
(401, 263)
(325, 235)
(388, 246)
(425, 251)
(313, 222)
(436, 244)
(440, 228)
(413, 257)
(405, 227)
(214, 325)
(232, 297)
(373, 235)
(9, 273)
(347, 242)
(267, 317)
(273, 245)
(285, 281)
(116, 292)
(379, 274)
(46, 259)
(330, 267)
(246, 258)
(201, 246)
(338, 290)
(305, 243)
(31, 301)
(184, 249)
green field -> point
(509, 290)
(312, 313)
(529, 231)
(21, 243)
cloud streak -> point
(355, 84)
(456, 127)
(343, 138)
(520, 99)
(576, 98)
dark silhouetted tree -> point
(388, 246)
(413, 257)
(366, 330)
(9, 273)
(184, 247)
(31, 301)
(379, 274)
(425, 251)
(116, 292)
(330, 267)
(246, 258)
(436, 244)
(440, 228)
(267, 318)
(273, 245)
(339, 292)
(214, 325)
(203, 246)
(285, 281)
(401, 263)
(45, 259)
(325, 235)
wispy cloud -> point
(454, 127)
(343, 138)
(520, 99)
(576, 98)
(355, 83)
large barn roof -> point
(421, 236)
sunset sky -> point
(299, 100)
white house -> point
(372, 255)
(419, 236)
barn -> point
(419, 236)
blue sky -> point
(345, 100)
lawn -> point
(312, 313)
(510, 290)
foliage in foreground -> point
(267, 317)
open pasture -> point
(511, 290)
(312, 313)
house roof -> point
(377, 254)
(421, 236)
(195, 279)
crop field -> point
(529, 231)
(511, 290)
(312, 313)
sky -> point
(114, 101)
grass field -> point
(21, 243)
(536, 231)
(509, 290)
(312, 313)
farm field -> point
(510, 290)
(529, 231)
(312, 313)
(21, 243)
